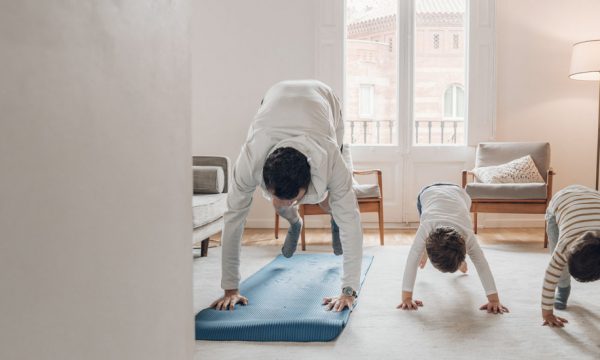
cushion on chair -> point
(208, 208)
(208, 179)
(521, 170)
(496, 153)
(506, 191)
(366, 190)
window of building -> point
(455, 41)
(454, 102)
(436, 41)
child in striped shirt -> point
(573, 225)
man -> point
(293, 152)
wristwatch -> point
(348, 291)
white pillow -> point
(521, 170)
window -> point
(372, 46)
(371, 117)
(439, 120)
(454, 102)
(365, 101)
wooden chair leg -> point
(546, 235)
(276, 225)
(475, 222)
(303, 233)
(380, 216)
(204, 248)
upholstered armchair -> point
(515, 198)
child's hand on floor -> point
(408, 303)
(494, 305)
(551, 320)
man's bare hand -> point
(229, 300)
(409, 304)
(551, 320)
(339, 303)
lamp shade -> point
(585, 60)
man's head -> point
(286, 173)
(446, 248)
(584, 257)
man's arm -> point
(344, 209)
(239, 200)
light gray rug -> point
(449, 326)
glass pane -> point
(439, 65)
(370, 112)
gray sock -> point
(291, 239)
(561, 297)
(336, 243)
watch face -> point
(348, 291)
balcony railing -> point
(367, 131)
(445, 131)
(427, 132)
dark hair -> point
(446, 248)
(285, 172)
(584, 258)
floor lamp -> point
(585, 65)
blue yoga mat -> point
(285, 300)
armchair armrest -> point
(221, 161)
(465, 174)
(370, 172)
(549, 180)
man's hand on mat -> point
(229, 300)
(494, 305)
(339, 303)
(551, 320)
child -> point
(573, 224)
(445, 232)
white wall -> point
(95, 153)
(536, 100)
(240, 49)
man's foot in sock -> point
(336, 243)
(561, 297)
(291, 239)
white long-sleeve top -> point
(300, 114)
(447, 205)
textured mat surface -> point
(284, 303)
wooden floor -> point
(262, 237)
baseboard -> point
(482, 223)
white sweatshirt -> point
(301, 114)
(447, 205)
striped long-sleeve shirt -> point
(576, 209)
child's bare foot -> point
(463, 267)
